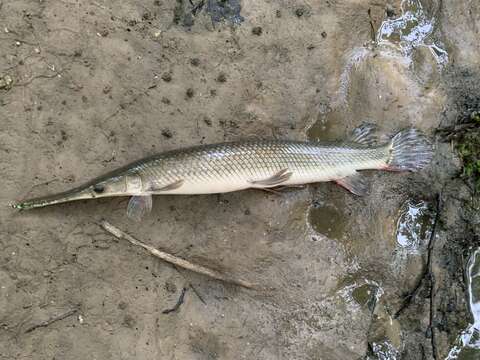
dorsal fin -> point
(364, 135)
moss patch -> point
(468, 147)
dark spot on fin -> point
(277, 179)
(172, 186)
(364, 135)
(356, 184)
(138, 206)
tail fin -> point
(410, 150)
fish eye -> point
(98, 188)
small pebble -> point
(257, 30)
(165, 100)
(167, 133)
(221, 78)
(324, 34)
(300, 12)
(6, 82)
(190, 92)
(195, 61)
(390, 10)
(167, 77)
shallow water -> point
(468, 343)
(414, 226)
(412, 29)
(328, 220)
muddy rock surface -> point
(89, 86)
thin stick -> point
(51, 320)
(176, 260)
(179, 302)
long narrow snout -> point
(80, 193)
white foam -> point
(470, 337)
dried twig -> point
(179, 302)
(176, 260)
(51, 320)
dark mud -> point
(86, 87)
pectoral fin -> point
(138, 206)
(356, 184)
(275, 180)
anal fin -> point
(356, 184)
(275, 180)
(138, 206)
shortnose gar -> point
(226, 167)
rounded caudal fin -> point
(410, 150)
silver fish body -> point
(236, 166)
(226, 167)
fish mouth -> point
(71, 195)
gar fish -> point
(261, 164)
